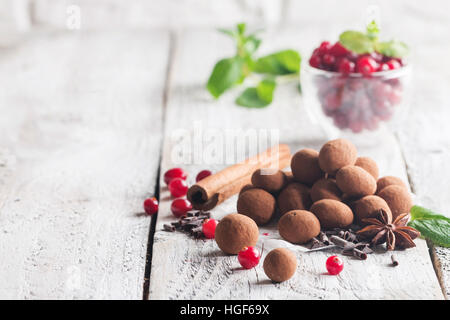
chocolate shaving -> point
(358, 250)
(191, 223)
(323, 238)
(394, 261)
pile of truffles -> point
(329, 189)
(326, 190)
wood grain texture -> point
(80, 137)
(183, 268)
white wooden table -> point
(89, 119)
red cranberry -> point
(315, 61)
(151, 206)
(174, 173)
(334, 265)
(366, 65)
(338, 50)
(352, 56)
(180, 207)
(209, 228)
(249, 257)
(324, 47)
(328, 59)
(346, 66)
(393, 64)
(378, 57)
(178, 187)
(202, 175)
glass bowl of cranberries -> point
(361, 91)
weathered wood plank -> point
(190, 269)
(425, 139)
(80, 136)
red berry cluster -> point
(175, 180)
(355, 102)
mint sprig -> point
(431, 225)
(368, 42)
(233, 71)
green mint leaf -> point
(433, 226)
(228, 32)
(356, 41)
(279, 63)
(241, 28)
(373, 30)
(250, 99)
(421, 213)
(225, 74)
(251, 44)
(265, 89)
(393, 48)
(437, 230)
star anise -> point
(396, 234)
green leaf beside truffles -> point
(433, 226)
(226, 73)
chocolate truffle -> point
(332, 213)
(355, 181)
(298, 226)
(398, 199)
(325, 189)
(280, 264)
(246, 187)
(369, 165)
(289, 177)
(236, 231)
(257, 204)
(389, 181)
(368, 207)
(294, 197)
(336, 154)
(272, 183)
(305, 166)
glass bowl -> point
(356, 105)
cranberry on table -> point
(173, 173)
(151, 206)
(249, 257)
(178, 187)
(202, 175)
(180, 207)
(209, 228)
(334, 265)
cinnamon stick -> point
(216, 188)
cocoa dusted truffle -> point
(389, 181)
(369, 165)
(289, 177)
(368, 207)
(336, 154)
(332, 213)
(298, 226)
(246, 187)
(280, 264)
(294, 197)
(257, 204)
(355, 181)
(398, 199)
(305, 166)
(325, 189)
(236, 231)
(272, 183)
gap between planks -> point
(166, 91)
